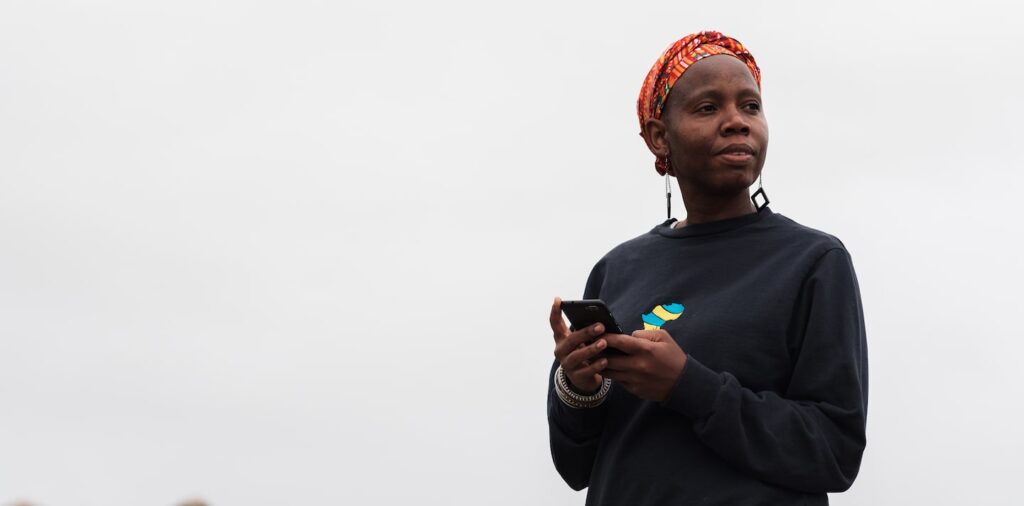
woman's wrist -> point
(574, 399)
(572, 386)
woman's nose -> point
(735, 123)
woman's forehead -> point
(714, 75)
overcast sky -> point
(302, 252)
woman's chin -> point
(734, 182)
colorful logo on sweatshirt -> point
(661, 314)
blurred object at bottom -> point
(194, 502)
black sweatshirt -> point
(771, 405)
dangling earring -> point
(668, 197)
(668, 191)
(760, 190)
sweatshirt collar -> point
(711, 227)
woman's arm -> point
(812, 437)
(575, 433)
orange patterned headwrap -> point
(674, 61)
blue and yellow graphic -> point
(661, 314)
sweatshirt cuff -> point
(695, 391)
(578, 424)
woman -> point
(745, 378)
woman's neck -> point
(708, 209)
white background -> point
(302, 252)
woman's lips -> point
(736, 158)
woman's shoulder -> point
(633, 247)
(802, 236)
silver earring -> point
(760, 191)
(668, 189)
(668, 196)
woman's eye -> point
(706, 108)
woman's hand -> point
(574, 355)
(652, 366)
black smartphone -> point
(584, 313)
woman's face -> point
(712, 128)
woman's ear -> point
(655, 135)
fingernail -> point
(598, 328)
(601, 344)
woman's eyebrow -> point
(702, 92)
(750, 92)
(716, 93)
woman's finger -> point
(588, 372)
(567, 345)
(588, 378)
(578, 358)
(624, 377)
(625, 363)
(557, 323)
(629, 344)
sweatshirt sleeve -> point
(811, 438)
(575, 433)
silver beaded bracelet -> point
(576, 400)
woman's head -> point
(700, 114)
